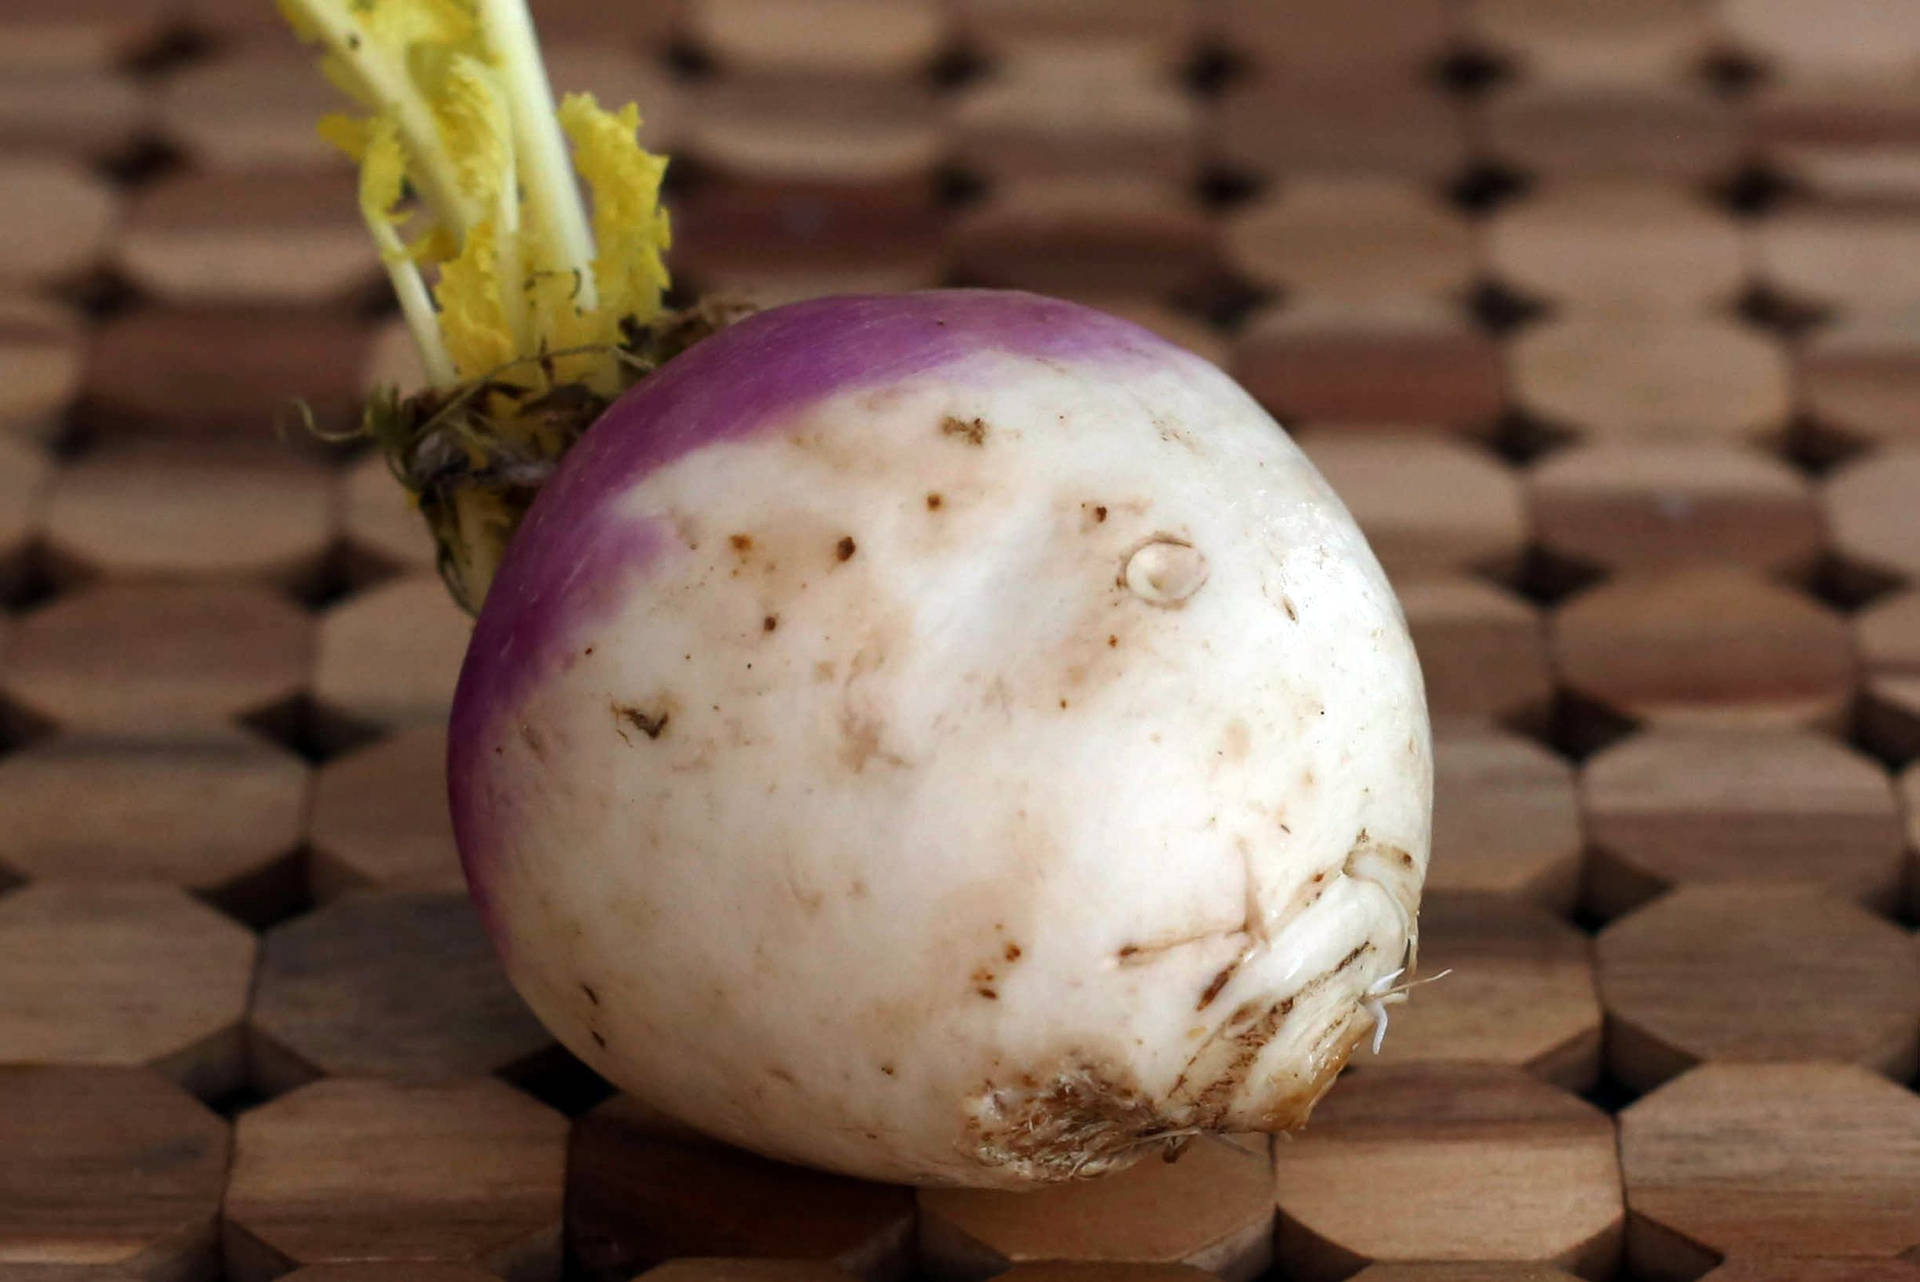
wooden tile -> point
(743, 1269)
(1102, 1271)
(125, 974)
(1073, 235)
(1690, 807)
(570, 22)
(24, 473)
(807, 136)
(1663, 377)
(213, 813)
(1640, 42)
(156, 661)
(352, 1170)
(1316, 36)
(1706, 646)
(1678, 132)
(390, 1271)
(250, 238)
(402, 985)
(1483, 650)
(1787, 1159)
(378, 518)
(1825, 38)
(1353, 237)
(1765, 1268)
(58, 216)
(1077, 110)
(1478, 1162)
(1619, 244)
(389, 656)
(1890, 715)
(1910, 805)
(1293, 125)
(1861, 376)
(380, 818)
(1506, 820)
(171, 511)
(110, 1173)
(1404, 361)
(95, 35)
(1521, 993)
(640, 1193)
(251, 110)
(1634, 506)
(1476, 1272)
(1851, 259)
(774, 246)
(1164, 33)
(826, 38)
(226, 371)
(79, 111)
(1213, 1209)
(1870, 507)
(1749, 971)
(1429, 506)
(1888, 634)
(41, 356)
(1841, 139)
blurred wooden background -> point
(1603, 315)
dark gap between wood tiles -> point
(1521, 438)
(21, 727)
(954, 67)
(311, 732)
(1470, 72)
(1885, 731)
(1844, 585)
(1776, 313)
(1576, 727)
(1487, 185)
(1500, 310)
(560, 1080)
(278, 891)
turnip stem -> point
(416, 305)
(553, 196)
(431, 170)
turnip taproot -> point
(947, 737)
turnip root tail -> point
(529, 318)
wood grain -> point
(1331, 39)
(1302, 125)
(24, 474)
(1521, 992)
(1651, 377)
(1887, 634)
(1753, 971)
(1825, 39)
(1506, 819)
(1654, 504)
(41, 352)
(642, 1193)
(1677, 132)
(1397, 361)
(389, 657)
(877, 139)
(1869, 506)
(1638, 42)
(255, 238)
(156, 660)
(1706, 645)
(1851, 259)
(356, 1170)
(1623, 245)
(1785, 1159)
(216, 813)
(846, 39)
(1339, 236)
(1074, 235)
(1476, 1162)
(82, 112)
(1213, 1208)
(1861, 376)
(166, 510)
(1683, 807)
(1482, 649)
(403, 986)
(110, 1172)
(1429, 506)
(123, 974)
(377, 517)
(1070, 109)
(1841, 139)
(59, 218)
(254, 111)
(379, 818)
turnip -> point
(948, 737)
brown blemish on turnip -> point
(1218, 982)
(591, 995)
(933, 502)
(769, 623)
(741, 543)
(973, 431)
(650, 724)
(598, 1039)
(1012, 952)
(1081, 1115)
(845, 548)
